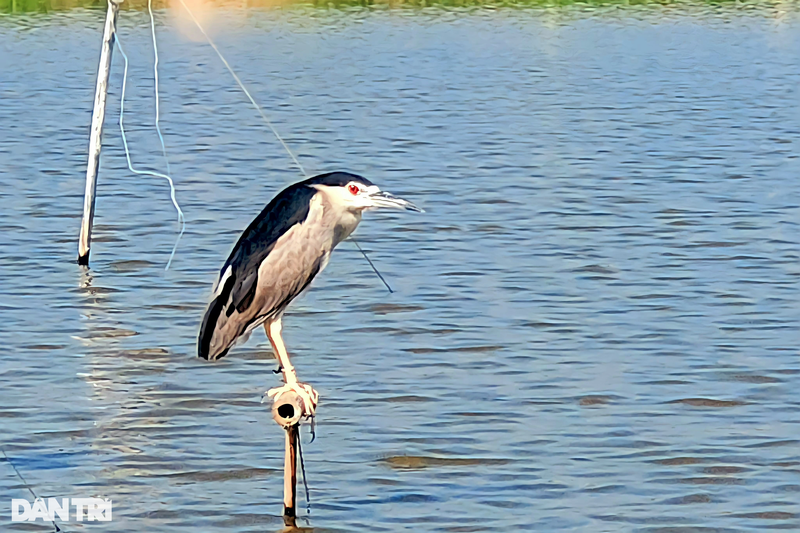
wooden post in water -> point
(287, 411)
(290, 475)
(99, 114)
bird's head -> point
(357, 193)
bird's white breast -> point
(303, 251)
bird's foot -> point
(309, 396)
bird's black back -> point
(289, 207)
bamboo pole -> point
(287, 411)
(290, 475)
(98, 116)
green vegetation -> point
(46, 6)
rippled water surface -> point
(595, 326)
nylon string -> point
(244, 89)
(167, 177)
(30, 489)
(267, 121)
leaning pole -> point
(98, 115)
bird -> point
(275, 259)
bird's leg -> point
(307, 393)
(274, 335)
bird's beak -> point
(384, 199)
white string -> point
(181, 218)
(241, 85)
(155, 73)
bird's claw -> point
(309, 396)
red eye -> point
(353, 189)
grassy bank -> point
(46, 6)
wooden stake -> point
(99, 114)
(290, 476)
(287, 411)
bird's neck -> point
(347, 224)
(337, 215)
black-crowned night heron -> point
(276, 258)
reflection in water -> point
(593, 328)
(107, 375)
(291, 526)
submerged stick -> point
(98, 116)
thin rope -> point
(370, 263)
(303, 469)
(244, 89)
(181, 218)
(266, 120)
(35, 497)
(155, 73)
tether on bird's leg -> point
(35, 497)
(181, 218)
(303, 467)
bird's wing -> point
(289, 208)
(238, 281)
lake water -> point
(595, 326)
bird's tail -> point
(207, 348)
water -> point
(595, 324)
